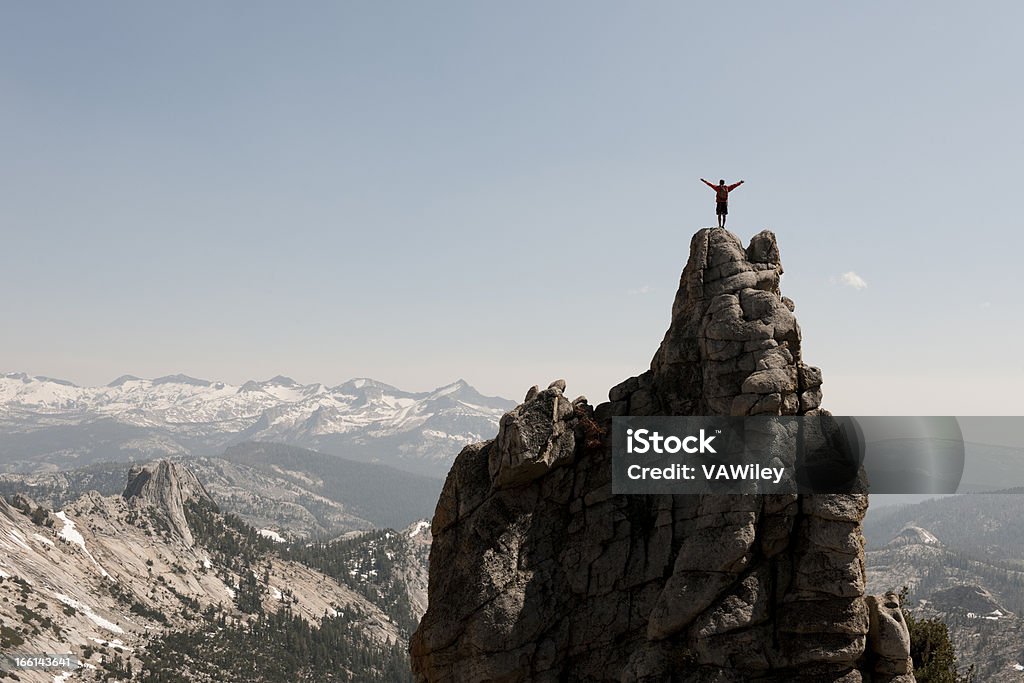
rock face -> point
(890, 639)
(539, 573)
(165, 486)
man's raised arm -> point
(735, 185)
(711, 185)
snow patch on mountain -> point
(69, 533)
(450, 389)
(272, 535)
(88, 611)
(914, 535)
(72, 535)
(115, 643)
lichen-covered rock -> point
(539, 573)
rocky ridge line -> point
(539, 573)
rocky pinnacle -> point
(539, 573)
(164, 487)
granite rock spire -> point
(539, 573)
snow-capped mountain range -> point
(45, 420)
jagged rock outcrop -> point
(890, 638)
(165, 486)
(539, 573)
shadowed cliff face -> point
(538, 572)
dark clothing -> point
(722, 208)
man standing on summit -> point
(722, 198)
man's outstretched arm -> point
(735, 185)
(711, 185)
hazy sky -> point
(418, 192)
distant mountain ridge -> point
(298, 492)
(57, 423)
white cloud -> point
(646, 289)
(850, 279)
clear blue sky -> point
(505, 192)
